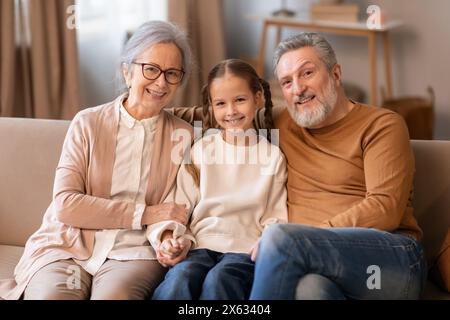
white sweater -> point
(242, 190)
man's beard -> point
(314, 115)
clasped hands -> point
(171, 251)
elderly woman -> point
(114, 172)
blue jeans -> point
(297, 261)
(208, 275)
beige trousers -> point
(115, 280)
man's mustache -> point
(302, 96)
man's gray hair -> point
(306, 39)
(154, 32)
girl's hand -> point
(254, 250)
(170, 248)
(172, 251)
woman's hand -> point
(172, 251)
(165, 211)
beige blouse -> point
(129, 182)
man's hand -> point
(172, 251)
(254, 250)
(163, 212)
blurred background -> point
(60, 56)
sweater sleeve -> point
(185, 192)
(193, 114)
(276, 211)
(188, 114)
(388, 170)
(73, 206)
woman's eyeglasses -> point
(152, 72)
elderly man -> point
(352, 233)
(350, 175)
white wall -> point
(242, 35)
(101, 32)
(420, 49)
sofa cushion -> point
(30, 150)
(431, 202)
(440, 271)
(433, 292)
(9, 257)
(431, 199)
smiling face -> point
(153, 95)
(308, 87)
(234, 104)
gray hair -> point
(154, 32)
(306, 39)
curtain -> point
(39, 60)
(7, 56)
(203, 21)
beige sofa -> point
(30, 149)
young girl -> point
(233, 188)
